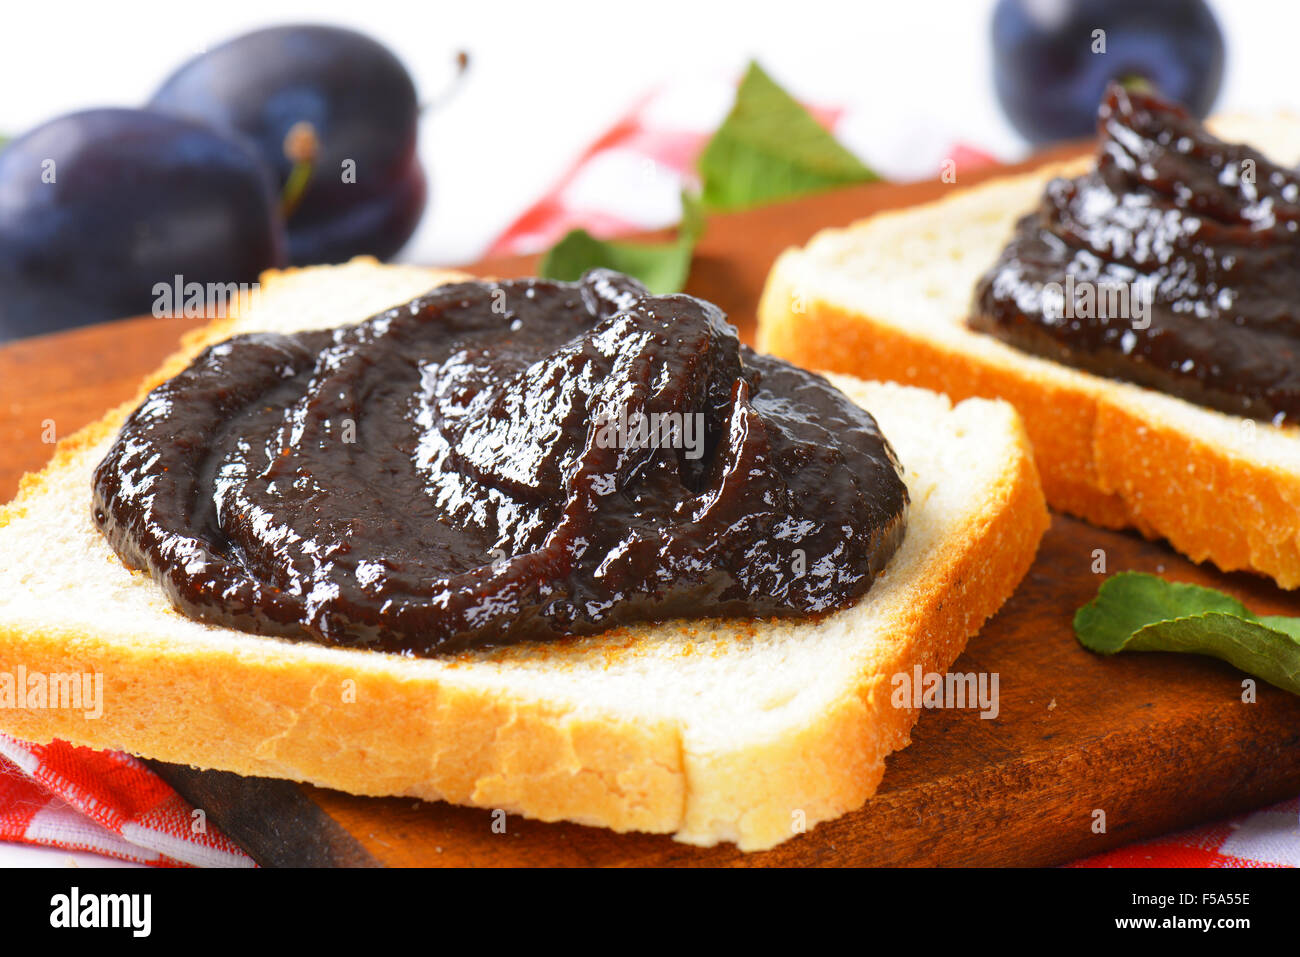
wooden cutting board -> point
(1156, 742)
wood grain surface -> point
(1157, 742)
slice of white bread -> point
(708, 730)
(887, 298)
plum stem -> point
(1137, 83)
(301, 146)
(452, 88)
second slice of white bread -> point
(887, 298)
(708, 730)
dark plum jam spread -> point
(500, 462)
(1174, 264)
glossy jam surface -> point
(1175, 265)
(499, 462)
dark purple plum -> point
(1050, 81)
(367, 190)
(98, 207)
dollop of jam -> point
(1174, 264)
(498, 462)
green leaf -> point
(770, 148)
(1139, 612)
(662, 267)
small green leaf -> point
(770, 148)
(662, 267)
(1248, 644)
(1130, 601)
(1138, 612)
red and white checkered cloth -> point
(106, 802)
(627, 181)
(630, 180)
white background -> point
(548, 77)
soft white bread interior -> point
(708, 730)
(887, 298)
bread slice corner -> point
(710, 730)
(887, 298)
